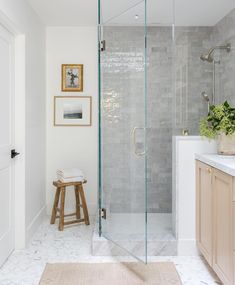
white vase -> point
(226, 144)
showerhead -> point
(205, 96)
(209, 55)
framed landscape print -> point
(72, 77)
(72, 110)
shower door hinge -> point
(103, 213)
(102, 45)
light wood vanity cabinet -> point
(222, 184)
(204, 210)
(215, 220)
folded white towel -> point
(67, 180)
(70, 173)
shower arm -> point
(227, 47)
(208, 55)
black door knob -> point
(14, 153)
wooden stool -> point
(60, 195)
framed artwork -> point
(72, 110)
(72, 77)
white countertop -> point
(222, 162)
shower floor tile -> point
(128, 231)
(123, 226)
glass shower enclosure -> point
(152, 85)
(128, 192)
(123, 127)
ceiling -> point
(123, 12)
(66, 12)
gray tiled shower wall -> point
(176, 77)
(224, 32)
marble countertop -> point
(222, 162)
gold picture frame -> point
(70, 111)
(72, 77)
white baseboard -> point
(36, 222)
(187, 247)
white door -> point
(6, 144)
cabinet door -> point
(204, 209)
(222, 221)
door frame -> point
(19, 99)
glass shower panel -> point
(123, 125)
(192, 78)
(160, 120)
(196, 33)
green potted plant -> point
(220, 125)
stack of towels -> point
(70, 175)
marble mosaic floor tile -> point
(25, 267)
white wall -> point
(184, 189)
(72, 146)
(20, 16)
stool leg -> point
(55, 205)
(84, 205)
(62, 201)
(78, 210)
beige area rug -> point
(110, 274)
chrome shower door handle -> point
(135, 129)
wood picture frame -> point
(72, 77)
(72, 111)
